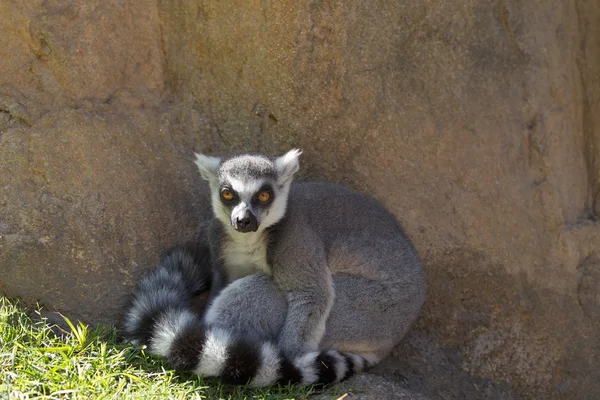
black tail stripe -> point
(325, 365)
(288, 373)
(349, 367)
(184, 272)
(242, 363)
(187, 348)
(193, 263)
(142, 332)
(366, 363)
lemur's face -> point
(249, 192)
(246, 199)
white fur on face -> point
(246, 190)
(277, 208)
(286, 166)
(219, 209)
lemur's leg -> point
(250, 307)
(254, 308)
(369, 316)
(240, 341)
(300, 269)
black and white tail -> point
(181, 275)
(159, 317)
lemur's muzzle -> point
(244, 221)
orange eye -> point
(264, 196)
(227, 195)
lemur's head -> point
(249, 191)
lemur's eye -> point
(227, 194)
(264, 196)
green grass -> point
(40, 360)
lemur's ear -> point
(208, 166)
(287, 165)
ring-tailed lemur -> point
(311, 282)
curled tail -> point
(179, 336)
(159, 316)
(181, 275)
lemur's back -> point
(353, 227)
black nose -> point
(246, 223)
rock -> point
(421, 366)
(473, 122)
(89, 202)
(589, 290)
(367, 386)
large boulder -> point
(474, 122)
(89, 201)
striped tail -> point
(159, 316)
(181, 338)
(181, 275)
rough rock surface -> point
(368, 386)
(475, 122)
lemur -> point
(310, 282)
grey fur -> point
(327, 268)
(332, 243)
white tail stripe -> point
(358, 362)
(370, 359)
(307, 366)
(167, 328)
(146, 304)
(340, 365)
(214, 353)
(268, 372)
